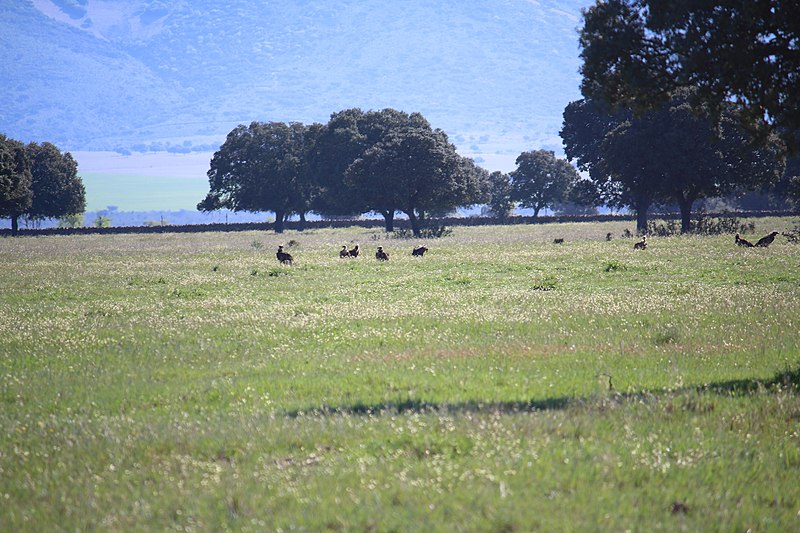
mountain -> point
(137, 75)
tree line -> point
(389, 161)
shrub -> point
(434, 232)
(702, 225)
(102, 222)
(71, 221)
(548, 283)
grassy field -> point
(189, 382)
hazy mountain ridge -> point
(107, 74)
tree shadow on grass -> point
(788, 379)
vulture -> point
(419, 251)
(766, 241)
(641, 245)
(380, 255)
(283, 257)
(743, 242)
(354, 251)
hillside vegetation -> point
(499, 383)
(147, 74)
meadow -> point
(188, 382)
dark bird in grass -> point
(679, 507)
(419, 251)
(343, 252)
(558, 241)
(380, 255)
(743, 242)
(766, 241)
(641, 245)
(354, 251)
(609, 236)
(283, 257)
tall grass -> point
(501, 382)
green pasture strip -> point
(142, 193)
(502, 382)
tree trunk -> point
(388, 216)
(279, 216)
(641, 221)
(412, 217)
(641, 206)
(685, 203)
(14, 225)
(302, 221)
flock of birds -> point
(763, 242)
(285, 258)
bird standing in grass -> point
(419, 251)
(743, 242)
(283, 257)
(641, 245)
(343, 252)
(354, 251)
(380, 255)
(763, 242)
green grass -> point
(132, 192)
(189, 382)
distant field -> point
(142, 192)
(500, 383)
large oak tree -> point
(15, 181)
(542, 180)
(347, 136)
(415, 170)
(262, 167)
(638, 52)
(57, 189)
(668, 154)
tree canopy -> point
(15, 181)
(542, 180)
(638, 52)
(500, 191)
(415, 170)
(262, 167)
(669, 154)
(386, 161)
(57, 189)
(347, 136)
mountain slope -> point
(138, 74)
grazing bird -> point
(558, 241)
(283, 257)
(609, 236)
(343, 252)
(380, 255)
(419, 251)
(743, 242)
(766, 241)
(354, 251)
(641, 245)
